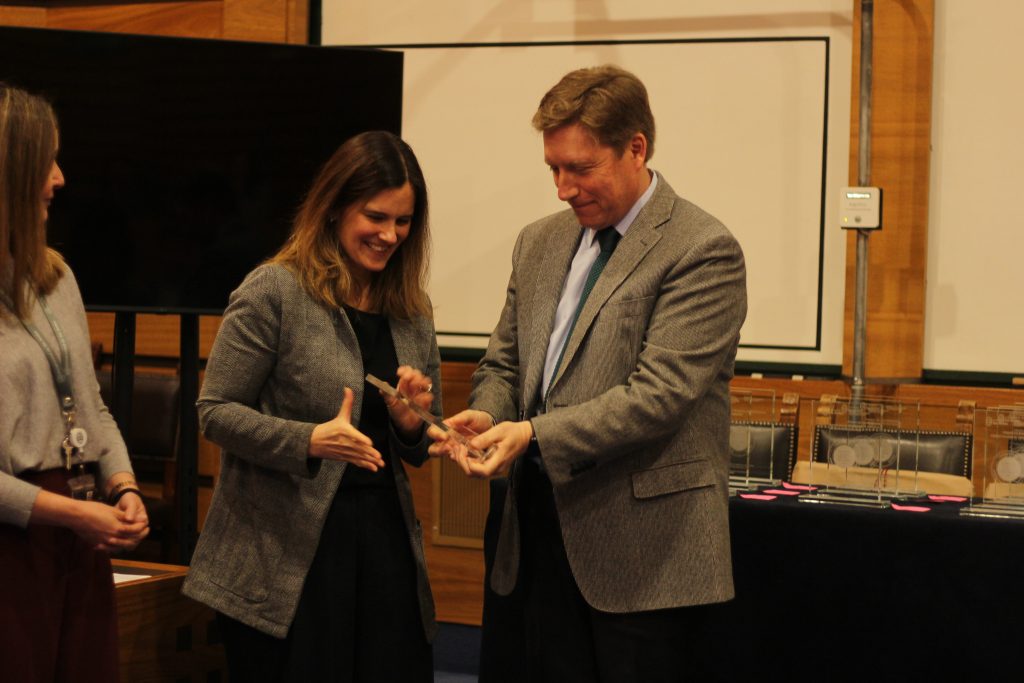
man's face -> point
(599, 184)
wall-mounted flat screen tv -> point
(186, 159)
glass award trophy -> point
(863, 452)
(998, 474)
(431, 419)
(873, 451)
(762, 438)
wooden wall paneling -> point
(900, 138)
(457, 580)
(200, 19)
(33, 17)
(259, 20)
(459, 503)
(298, 22)
(209, 325)
(155, 335)
(460, 506)
(101, 330)
(985, 397)
(456, 573)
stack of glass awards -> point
(871, 451)
(762, 438)
(998, 475)
(856, 451)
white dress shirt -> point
(572, 288)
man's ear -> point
(638, 146)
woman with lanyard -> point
(60, 451)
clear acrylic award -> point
(430, 418)
(762, 438)
(999, 464)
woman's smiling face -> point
(370, 232)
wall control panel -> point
(860, 208)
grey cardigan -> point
(278, 368)
(31, 426)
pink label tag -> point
(798, 487)
(756, 496)
(910, 508)
(947, 499)
(782, 492)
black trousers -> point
(559, 637)
(358, 619)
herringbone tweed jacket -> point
(634, 429)
(278, 368)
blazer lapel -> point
(641, 237)
(542, 288)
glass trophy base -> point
(842, 498)
(996, 509)
(855, 486)
(870, 498)
(738, 484)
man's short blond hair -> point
(607, 100)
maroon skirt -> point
(58, 618)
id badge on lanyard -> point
(83, 485)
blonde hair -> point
(362, 167)
(607, 100)
(28, 143)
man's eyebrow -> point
(570, 164)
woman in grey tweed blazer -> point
(311, 553)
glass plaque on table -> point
(875, 451)
(762, 438)
(863, 452)
(998, 472)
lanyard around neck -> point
(59, 368)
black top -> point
(379, 359)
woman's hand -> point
(469, 423)
(109, 528)
(416, 387)
(103, 527)
(134, 510)
(130, 504)
(339, 440)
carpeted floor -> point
(456, 653)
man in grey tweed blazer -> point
(611, 423)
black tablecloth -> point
(827, 592)
(840, 593)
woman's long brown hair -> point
(28, 145)
(362, 167)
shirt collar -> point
(623, 225)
